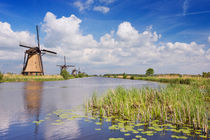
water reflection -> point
(33, 99)
(21, 103)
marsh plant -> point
(178, 104)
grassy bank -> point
(197, 81)
(179, 104)
(22, 78)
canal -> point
(30, 110)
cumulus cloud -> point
(117, 51)
(102, 9)
(9, 38)
(9, 41)
(124, 47)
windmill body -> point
(32, 64)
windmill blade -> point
(64, 60)
(24, 61)
(37, 33)
(70, 65)
(25, 46)
(49, 51)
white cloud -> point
(88, 5)
(123, 50)
(9, 38)
(209, 39)
(9, 42)
(125, 47)
(102, 9)
(107, 1)
(83, 5)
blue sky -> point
(179, 22)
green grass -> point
(179, 104)
(22, 78)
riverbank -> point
(174, 79)
(22, 78)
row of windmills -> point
(32, 64)
(64, 67)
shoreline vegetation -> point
(185, 101)
(177, 104)
(22, 78)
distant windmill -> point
(76, 71)
(64, 67)
(32, 64)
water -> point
(21, 103)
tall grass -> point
(19, 78)
(181, 104)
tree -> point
(149, 72)
(65, 74)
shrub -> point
(1, 76)
(124, 76)
(132, 78)
(81, 75)
(65, 74)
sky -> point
(109, 36)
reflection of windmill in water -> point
(32, 64)
(33, 99)
(64, 67)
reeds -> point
(180, 104)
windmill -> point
(32, 64)
(76, 71)
(64, 67)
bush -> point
(1, 76)
(81, 75)
(132, 78)
(206, 74)
(65, 74)
(124, 76)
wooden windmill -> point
(75, 71)
(32, 64)
(64, 67)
